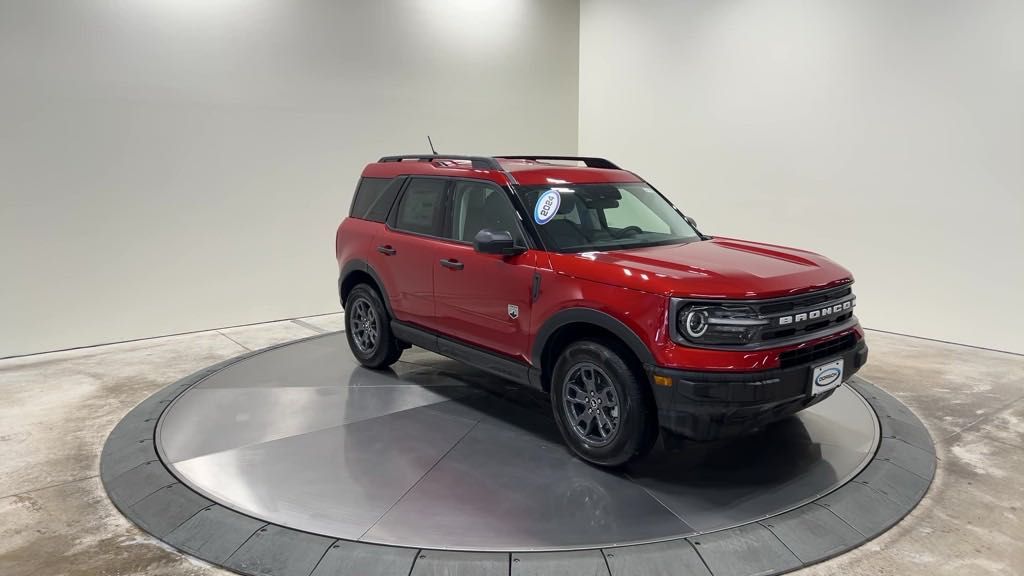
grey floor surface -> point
(58, 408)
(437, 454)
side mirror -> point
(691, 222)
(489, 241)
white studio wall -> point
(176, 165)
(886, 135)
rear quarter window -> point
(374, 197)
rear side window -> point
(419, 210)
(374, 197)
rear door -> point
(484, 299)
(407, 251)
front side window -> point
(478, 205)
(596, 217)
(419, 210)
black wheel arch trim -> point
(359, 265)
(588, 316)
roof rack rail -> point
(479, 162)
(589, 161)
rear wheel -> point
(369, 329)
(600, 407)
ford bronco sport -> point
(580, 279)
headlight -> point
(695, 324)
(718, 323)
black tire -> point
(636, 428)
(368, 329)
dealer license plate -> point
(826, 376)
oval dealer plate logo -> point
(827, 377)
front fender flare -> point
(588, 316)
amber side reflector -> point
(662, 380)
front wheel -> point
(368, 329)
(601, 408)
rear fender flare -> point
(359, 265)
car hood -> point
(716, 268)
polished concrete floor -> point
(57, 409)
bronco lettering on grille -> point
(832, 310)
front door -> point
(484, 299)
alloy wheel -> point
(591, 404)
(363, 323)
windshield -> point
(596, 217)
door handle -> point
(452, 264)
(386, 250)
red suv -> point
(578, 278)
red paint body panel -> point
(524, 172)
(530, 174)
(719, 268)
(354, 240)
(392, 169)
(472, 303)
(408, 274)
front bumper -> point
(706, 406)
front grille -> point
(804, 301)
(817, 352)
(773, 309)
(763, 323)
(769, 335)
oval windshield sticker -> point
(547, 207)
